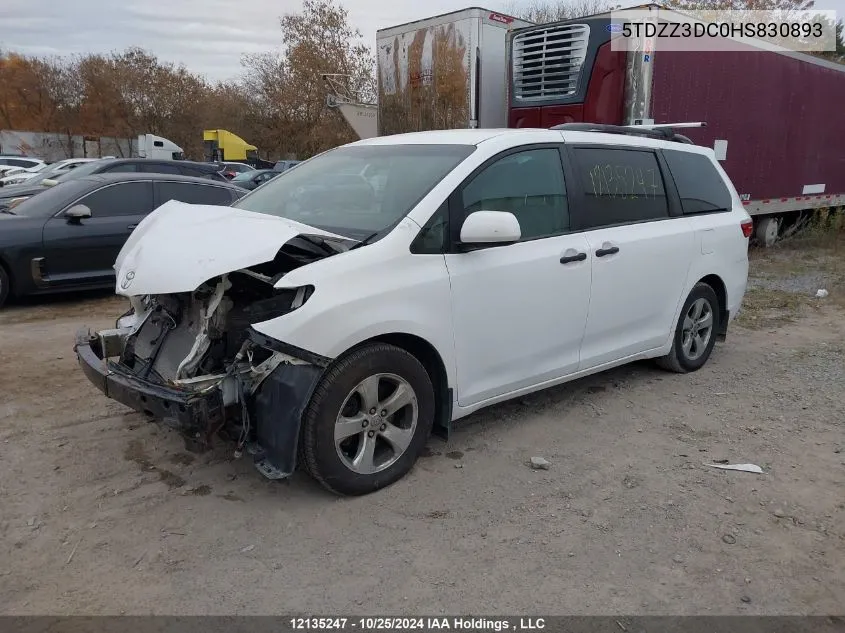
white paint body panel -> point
(635, 292)
(179, 246)
(487, 227)
(518, 315)
(505, 320)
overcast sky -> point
(208, 36)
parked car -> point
(255, 178)
(143, 165)
(497, 263)
(284, 165)
(230, 170)
(9, 170)
(15, 194)
(49, 171)
(67, 238)
(25, 162)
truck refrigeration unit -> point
(773, 117)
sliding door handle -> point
(568, 259)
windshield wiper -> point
(9, 211)
(365, 241)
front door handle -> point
(132, 227)
(602, 252)
(568, 259)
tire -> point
(335, 452)
(5, 286)
(766, 231)
(692, 357)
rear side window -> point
(700, 186)
(20, 163)
(196, 172)
(126, 198)
(620, 186)
(193, 193)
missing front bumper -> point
(276, 408)
(197, 416)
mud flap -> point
(722, 332)
(277, 410)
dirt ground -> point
(104, 513)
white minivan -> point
(337, 322)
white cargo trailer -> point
(448, 71)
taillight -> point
(747, 227)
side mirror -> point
(77, 212)
(490, 228)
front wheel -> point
(695, 333)
(368, 420)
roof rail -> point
(663, 131)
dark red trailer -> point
(775, 119)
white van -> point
(323, 321)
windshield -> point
(356, 191)
(85, 169)
(48, 172)
(247, 175)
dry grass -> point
(783, 279)
(765, 308)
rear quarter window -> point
(699, 185)
(194, 193)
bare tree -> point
(287, 85)
(279, 104)
(544, 11)
(743, 5)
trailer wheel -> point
(766, 231)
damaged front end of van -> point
(198, 279)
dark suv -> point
(68, 237)
(146, 166)
(113, 166)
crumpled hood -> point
(179, 246)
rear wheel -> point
(695, 333)
(368, 420)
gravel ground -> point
(104, 513)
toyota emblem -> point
(127, 279)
